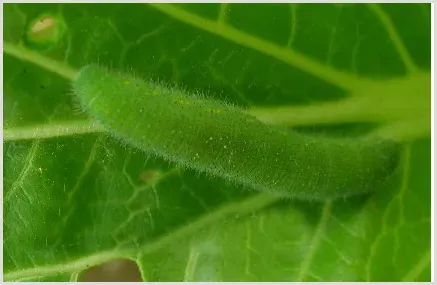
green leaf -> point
(74, 197)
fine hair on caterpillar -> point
(221, 140)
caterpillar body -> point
(213, 137)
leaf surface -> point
(77, 200)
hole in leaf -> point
(120, 270)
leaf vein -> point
(24, 172)
(325, 72)
(394, 36)
(315, 241)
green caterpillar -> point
(212, 137)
